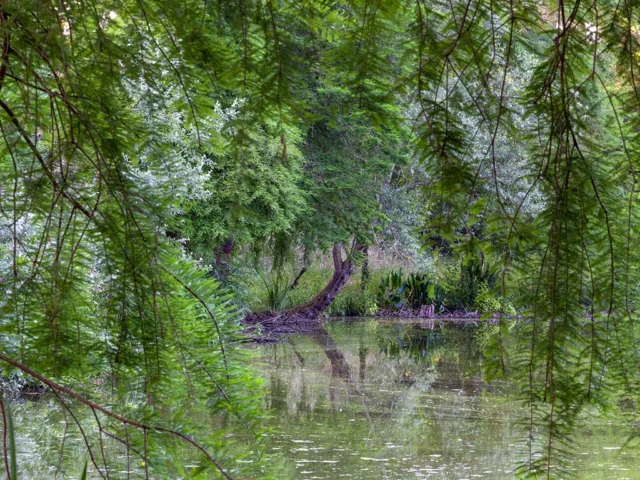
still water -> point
(368, 399)
(377, 399)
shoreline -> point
(272, 329)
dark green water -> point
(393, 400)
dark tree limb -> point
(314, 308)
(294, 284)
(59, 389)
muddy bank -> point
(424, 313)
(269, 327)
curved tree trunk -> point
(343, 269)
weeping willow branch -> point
(209, 312)
(57, 389)
(5, 444)
(41, 160)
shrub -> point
(421, 290)
(463, 282)
(353, 301)
(415, 291)
(391, 290)
(486, 302)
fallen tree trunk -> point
(311, 310)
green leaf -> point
(84, 471)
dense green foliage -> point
(93, 290)
(144, 141)
(454, 288)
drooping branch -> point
(5, 447)
(124, 420)
(202, 302)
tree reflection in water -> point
(340, 369)
(376, 399)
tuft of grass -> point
(276, 292)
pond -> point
(381, 399)
(366, 399)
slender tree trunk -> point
(365, 275)
(294, 284)
(224, 255)
(343, 269)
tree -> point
(92, 287)
(321, 191)
(253, 194)
(87, 185)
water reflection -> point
(363, 400)
(400, 400)
(339, 366)
(340, 370)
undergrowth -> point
(453, 288)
